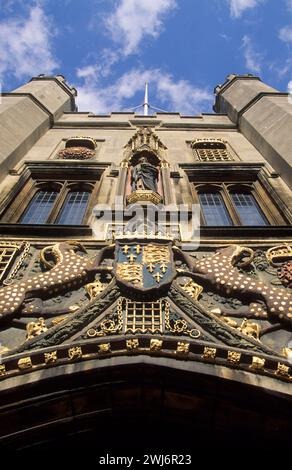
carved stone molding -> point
(144, 196)
(145, 140)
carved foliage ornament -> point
(79, 148)
(76, 153)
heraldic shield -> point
(144, 265)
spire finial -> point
(146, 104)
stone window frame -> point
(209, 140)
(225, 190)
(239, 176)
(23, 193)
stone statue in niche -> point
(144, 176)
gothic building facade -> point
(145, 271)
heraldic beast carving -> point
(143, 267)
(70, 272)
(219, 274)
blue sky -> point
(107, 49)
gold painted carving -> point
(104, 348)
(209, 353)
(50, 357)
(155, 344)
(143, 316)
(2, 369)
(75, 352)
(246, 327)
(108, 326)
(192, 289)
(34, 329)
(130, 272)
(233, 357)
(208, 149)
(182, 348)
(250, 328)
(180, 325)
(24, 363)
(95, 288)
(258, 363)
(144, 196)
(132, 344)
(57, 320)
(156, 254)
(282, 369)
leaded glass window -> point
(248, 210)
(39, 208)
(74, 207)
(214, 209)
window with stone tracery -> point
(229, 204)
(52, 202)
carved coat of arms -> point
(144, 266)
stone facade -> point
(82, 295)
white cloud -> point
(285, 34)
(88, 72)
(253, 59)
(25, 45)
(134, 19)
(101, 68)
(237, 7)
(180, 96)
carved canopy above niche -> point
(145, 141)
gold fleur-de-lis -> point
(138, 249)
(150, 267)
(131, 257)
(157, 276)
(163, 267)
(125, 249)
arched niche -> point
(145, 146)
